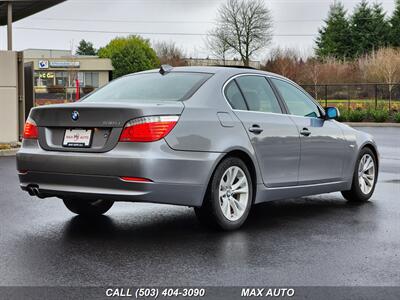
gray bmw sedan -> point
(214, 138)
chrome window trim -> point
(312, 100)
(252, 111)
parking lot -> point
(320, 240)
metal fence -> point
(344, 96)
(357, 95)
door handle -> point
(256, 129)
(305, 132)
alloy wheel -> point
(366, 174)
(233, 193)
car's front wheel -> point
(229, 196)
(88, 207)
(364, 177)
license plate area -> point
(78, 138)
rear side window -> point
(234, 96)
(174, 86)
(258, 94)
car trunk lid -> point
(103, 122)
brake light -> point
(30, 130)
(148, 129)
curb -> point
(371, 124)
(8, 152)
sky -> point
(185, 22)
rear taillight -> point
(30, 130)
(148, 129)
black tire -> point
(89, 208)
(210, 214)
(355, 194)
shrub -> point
(356, 115)
(369, 113)
(5, 147)
(396, 117)
(8, 146)
(395, 107)
(380, 115)
(344, 115)
(341, 107)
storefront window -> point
(62, 79)
(73, 76)
(66, 78)
(81, 78)
(91, 79)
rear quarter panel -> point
(208, 124)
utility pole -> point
(9, 26)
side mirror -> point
(332, 113)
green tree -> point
(86, 48)
(395, 26)
(362, 29)
(333, 38)
(129, 55)
(380, 36)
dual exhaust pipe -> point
(33, 190)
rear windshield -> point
(174, 86)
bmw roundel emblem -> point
(75, 115)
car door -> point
(273, 134)
(322, 141)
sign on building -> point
(46, 75)
(43, 64)
(64, 64)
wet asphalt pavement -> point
(319, 240)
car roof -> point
(216, 70)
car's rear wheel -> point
(229, 196)
(88, 207)
(364, 177)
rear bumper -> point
(109, 187)
(179, 177)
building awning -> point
(24, 8)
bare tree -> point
(73, 73)
(245, 26)
(216, 42)
(285, 62)
(169, 53)
(314, 72)
(382, 65)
